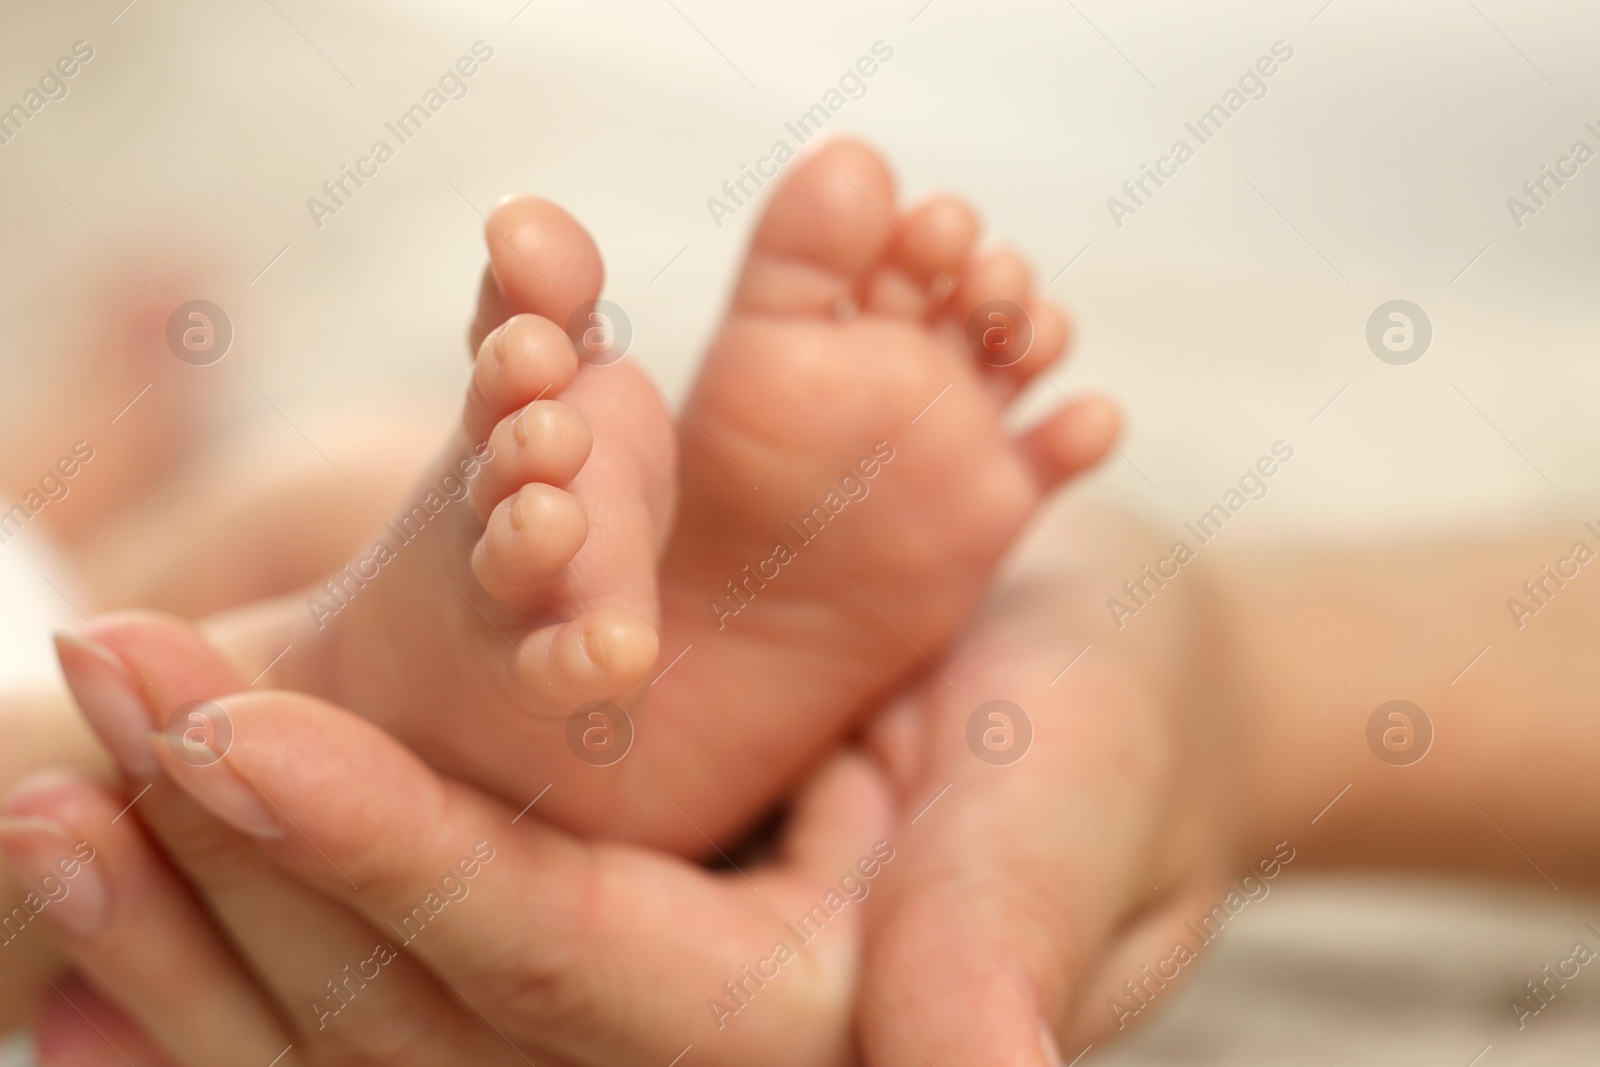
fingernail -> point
(110, 699)
(218, 789)
(1052, 1051)
(57, 874)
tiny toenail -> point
(519, 427)
(518, 521)
(500, 342)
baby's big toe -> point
(827, 224)
(541, 260)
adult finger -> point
(77, 1027)
(1031, 850)
(119, 914)
(319, 961)
(602, 954)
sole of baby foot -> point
(850, 479)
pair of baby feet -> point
(658, 628)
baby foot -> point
(518, 582)
(848, 486)
(848, 482)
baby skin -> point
(669, 659)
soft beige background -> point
(1390, 143)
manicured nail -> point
(217, 788)
(1052, 1051)
(109, 697)
(57, 874)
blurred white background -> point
(1227, 313)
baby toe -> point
(936, 238)
(599, 655)
(530, 536)
(525, 360)
(541, 260)
(993, 306)
(1052, 336)
(546, 441)
(928, 252)
(1072, 440)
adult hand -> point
(360, 908)
(1055, 849)
(1020, 902)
